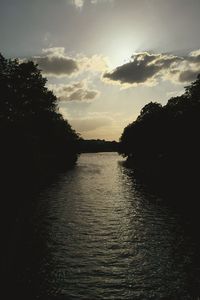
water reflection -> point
(98, 234)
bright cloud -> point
(79, 3)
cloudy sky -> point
(105, 59)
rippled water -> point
(97, 234)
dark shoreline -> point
(175, 181)
(20, 201)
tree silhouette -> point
(164, 141)
(35, 138)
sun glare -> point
(120, 52)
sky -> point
(105, 59)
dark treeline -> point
(162, 144)
(87, 146)
(35, 139)
(36, 144)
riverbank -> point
(22, 182)
(176, 179)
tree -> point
(192, 91)
(34, 136)
(167, 138)
(23, 91)
(142, 137)
(149, 110)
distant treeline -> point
(35, 139)
(97, 146)
(163, 143)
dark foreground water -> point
(97, 234)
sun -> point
(120, 51)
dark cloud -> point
(192, 67)
(141, 68)
(81, 94)
(54, 62)
(146, 68)
(57, 66)
(91, 94)
(132, 72)
(194, 57)
(77, 91)
(188, 75)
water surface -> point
(97, 234)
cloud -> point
(142, 68)
(76, 91)
(188, 75)
(95, 63)
(194, 56)
(54, 62)
(80, 3)
(147, 69)
(191, 67)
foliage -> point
(34, 136)
(166, 136)
(90, 146)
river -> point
(96, 233)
